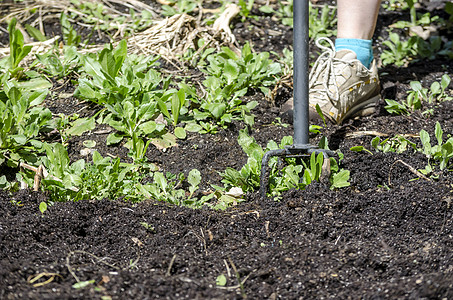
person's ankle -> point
(362, 48)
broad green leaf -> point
(114, 138)
(81, 126)
(194, 177)
(231, 71)
(71, 180)
(231, 54)
(180, 133)
(93, 68)
(193, 127)
(340, 179)
(165, 141)
(375, 142)
(89, 143)
(163, 108)
(120, 55)
(19, 139)
(221, 280)
(82, 284)
(42, 207)
(425, 139)
(35, 33)
(159, 178)
(37, 97)
(357, 148)
(217, 109)
(439, 133)
(148, 127)
(445, 81)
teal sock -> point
(361, 47)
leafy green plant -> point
(246, 7)
(132, 93)
(292, 175)
(103, 178)
(21, 121)
(70, 36)
(322, 21)
(397, 144)
(399, 51)
(284, 11)
(229, 77)
(179, 7)
(440, 153)
(418, 96)
(18, 50)
(403, 50)
(59, 66)
(392, 5)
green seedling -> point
(360, 149)
(246, 8)
(83, 284)
(43, 207)
(194, 180)
(399, 51)
(418, 96)
(322, 21)
(21, 121)
(18, 50)
(57, 66)
(293, 175)
(179, 7)
(440, 153)
(221, 280)
(70, 36)
(397, 144)
(148, 227)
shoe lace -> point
(325, 65)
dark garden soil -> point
(387, 236)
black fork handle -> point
(301, 74)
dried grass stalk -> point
(173, 36)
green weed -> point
(293, 175)
(419, 96)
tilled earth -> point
(387, 236)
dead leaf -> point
(137, 241)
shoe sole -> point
(364, 109)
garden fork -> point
(301, 147)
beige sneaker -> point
(341, 85)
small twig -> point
(241, 285)
(68, 265)
(38, 177)
(266, 226)
(41, 173)
(32, 279)
(170, 265)
(412, 169)
(228, 268)
(235, 286)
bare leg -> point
(357, 18)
